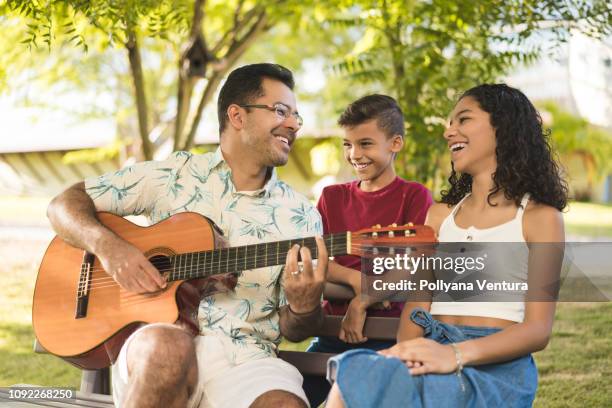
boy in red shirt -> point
(374, 134)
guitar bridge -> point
(82, 299)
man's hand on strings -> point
(129, 267)
(303, 285)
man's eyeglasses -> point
(282, 111)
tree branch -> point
(239, 24)
(235, 51)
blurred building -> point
(34, 144)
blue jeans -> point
(367, 379)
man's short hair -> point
(383, 108)
(243, 85)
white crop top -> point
(511, 231)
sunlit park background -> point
(87, 87)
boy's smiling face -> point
(371, 152)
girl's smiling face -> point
(471, 138)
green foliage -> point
(103, 28)
(422, 52)
(425, 53)
(113, 17)
(575, 136)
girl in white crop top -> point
(504, 187)
(511, 231)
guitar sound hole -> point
(161, 263)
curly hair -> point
(525, 160)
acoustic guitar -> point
(82, 315)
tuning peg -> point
(391, 234)
(375, 234)
(410, 224)
(393, 225)
(377, 226)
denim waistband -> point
(440, 331)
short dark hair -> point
(383, 108)
(244, 84)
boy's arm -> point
(353, 278)
(337, 273)
(351, 330)
(354, 319)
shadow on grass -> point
(20, 365)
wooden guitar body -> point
(94, 341)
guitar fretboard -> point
(202, 264)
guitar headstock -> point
(392, 235)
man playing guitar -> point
(232, 362)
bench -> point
(95, 388)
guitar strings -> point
(197, 266)
(251, 264)
(218, 263)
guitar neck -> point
(203, 264)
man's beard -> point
(274, 158)
(270, 156)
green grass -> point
(576, 367)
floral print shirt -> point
(246, 320)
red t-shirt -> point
(345, 207)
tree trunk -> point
(139, 92)
(186, 84)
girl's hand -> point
(424, 356)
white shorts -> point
(221, 384)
